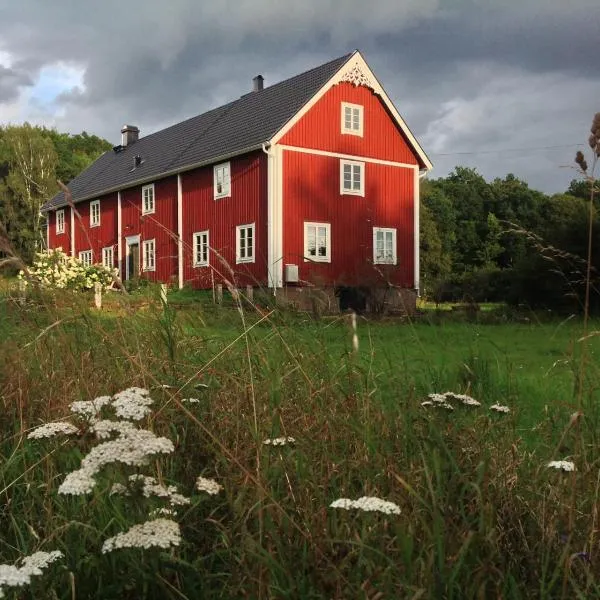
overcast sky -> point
(500, 85)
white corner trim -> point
(179, 231)
(356, 71)
(278, 218)
(270, 216)
(72, 211)
(119, 236)
(416, 206)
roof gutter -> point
(213, 160)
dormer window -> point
(94, 213)
(352, 119)
(148, 199)
(222, 180)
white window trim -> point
(151, 211)
(327, 257)
(84, 262)
(92, 222)
(196, 262)
(238, 229)
(226, 194)
(385, 230)
(145, 245)
(105, 250)
(361, 112)
(62, 229)
(361, 191)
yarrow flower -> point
(443, 400)
(132, 403)
(280, 441)
(367, 504)
(151, 487)
(89, 409)
(158, 533)
(499, 408)
(210, 486)
(13, 576)
(52, 429)
(563, 465)
(191, 400)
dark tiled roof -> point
(233, 128)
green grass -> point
(481, 514)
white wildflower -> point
(191, 400)
(52, 429)
(77, 483)
(158, 533)
(132, 403)
(90, 409)
(167, 512)
(118, 489)
(210, 486)
(280, 441)
(367, 504)
(151, 487)
(104, 428)
(38, 561)
(437, 402)
(563, 465)
(463, 398)
(499, 408)
(13, 576)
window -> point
(201, 249)
(86, 258)
(352, 177)
(60, 221)
(94, 213)
(148, 199)
(317, 242)
(245, 243)
(222, 180)
(148, 256)
(384, 246)
(352, 119)
(108, 257)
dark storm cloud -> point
(11, 81)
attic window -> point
(352, 119)
(222, 180)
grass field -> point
(482, 516)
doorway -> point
(132, 257)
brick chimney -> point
(129, 135)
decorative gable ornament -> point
(356, 76)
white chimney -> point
(257, 83)
(129, 135)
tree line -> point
(32, 160)
(502, 241)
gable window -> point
(108, 257)
(317, 242)
(60, 221)
(352, 177)
(148, 256)
(352, 119)
(94, 213)
(148, 199)
(201, 249)
(86, 258)
(222, 180)
(384, 246)
(245, 243)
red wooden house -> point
(311, 183)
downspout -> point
(266, 148)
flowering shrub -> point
(55, 269)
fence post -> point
(249, 293)
(98, 295)
(22, 291)
(163, 293)
(219, 293)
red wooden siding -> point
(160, 226)
(320, 127)
(61, 240)
(247, 204)
(311, 192)
(96, 238)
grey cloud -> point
(10, 82)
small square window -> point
(352, 177)
(352, 119)
(108, 257)
(148, 199)
(60, 221)
(245, 243)
(384, 246)
(317, 242)
(222, 180)
(86, 257)
(201, 249)
(94, 213)
(148, 256)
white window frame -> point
(249, 258)
(353, 108)
(60, 229)
(95, 216)
(149, 255)
(351, 191)
(108, 252)
(87, 258)
(394, 258)
(150, 207)
(316, 258)
(198, 261)
(225, 183)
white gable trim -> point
(356, 71)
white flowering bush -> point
(56, 270)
